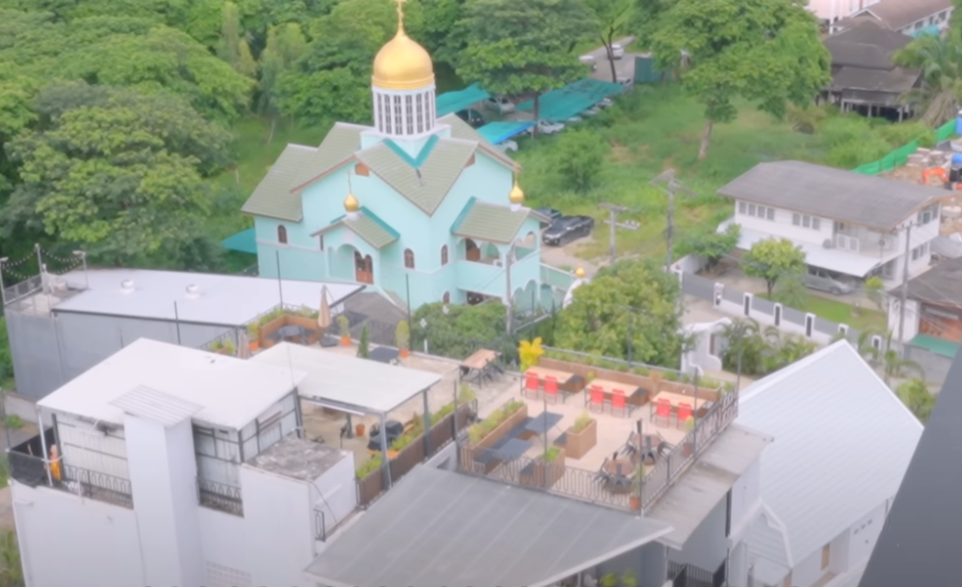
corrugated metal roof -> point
(272, 197)
(368, 226)
(827, 192)
(337, 147)
(157, 406)
(942, 284)
(439, 527)
(427, 185)
(490, 222)
(843, 442)
(462, 130)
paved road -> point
(624, 66)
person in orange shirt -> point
(55, 463)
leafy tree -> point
(940, 60)
(759, 350)
(579, 156)
(523, 48)
(117, 172)
(875, 290)
(233, 47)
(440, 31)
(645, 16)
(285, 45)
(715, 246)
(462, 329)
(791, 290)
(6, 360)
(766, 51)
(916, 396)
(631, 306)
(364, 344)
(612, 17)
(771, 259)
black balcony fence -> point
(220, 496)
(687, 575)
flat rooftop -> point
(229, 300)
(335, 380)
(230, 392)
(299, 459)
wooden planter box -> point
(578, 444)
(542, 474)
(309, 324)
(493, 437)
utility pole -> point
(666, 182)
(613, 211)
(905, 287)
(509, 299)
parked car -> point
(394, 431)
(472, 117)
(627, 83)
(589, 60)
(825, 280)
(605, 103)
(499, 104)
(508, 146)
(617, 51)
(566, 229)
(590, 111)
(550, 213)
(546, 127)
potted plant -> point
(581, 437)
(402, 338)
(609, 580)
(345, 326)
(253, 332)
(637, 480)
(629, 579)
(364, 344)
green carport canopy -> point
(560, 105)
(451, 102)
(243, 242)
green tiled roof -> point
(368, 226)
(340, 143)
(462, 130)
(272, 197)
(427, 185)
(489, 222)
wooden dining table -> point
(675, 399)
(543, 373)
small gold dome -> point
(351, 204)
(402, 64)
(516, 196)
(580, 273)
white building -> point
(845, 222)
(179, 467)
(904, 16)
(843, 443)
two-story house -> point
(904, 16)
(846, 223)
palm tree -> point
(916, 396)
(885, 358)
(940, 60)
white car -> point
(589, 60)
(617, 51)
(574, 119)
(546, 127)
(606, 103)
(590, 111)
(508, 146)
(499, 104)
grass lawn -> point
(841, 313)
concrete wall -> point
(225, 550)
(707, 547)
(333, 495)
(746, 499)
(863, 535)
(65, 540)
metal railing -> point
(24, 289)
(32, 470)
(226, 343)
(221, 497)
(687, 575)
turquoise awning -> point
(496, 132)
(452, 102)
(560, 105)
(938, 346)
(244, 241)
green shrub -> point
(581, 423)
(551, 454)
(478, 431)
(369, 466)
(13, 422)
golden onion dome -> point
(351, 204)
(516, 196)
(580, 273)
(402, 64)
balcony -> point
(220, 497)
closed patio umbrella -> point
(324, 314)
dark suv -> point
(567, 229)
(394, 431)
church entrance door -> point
(363, 268)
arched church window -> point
(409, 258)
(446, 298)
(444, 255)
(282, 234)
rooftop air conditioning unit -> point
(127, 285)
(193, 292)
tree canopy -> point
(772, 259)
(765, 51)
(630, 307)
(940, 60)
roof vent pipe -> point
(127, 285)
(192, 291)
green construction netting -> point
(451, 102)
(560, 105)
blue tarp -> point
(452, 102)
(932, 29)
(560, 105)
(243, 242)
(496, 132)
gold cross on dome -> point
(400, 13)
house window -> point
(320, 242)
(762, 212)
(446, 298)
(742, 208)
(398, 117)
(362, 170)
(770, 213)
(282, 235)
(806, 221)
(444, 255)
(826, 556)
(409, 113)
(928, 214)
(751, 209)
(420, 110)
(409, 258)
(920, 251)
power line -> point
(613, 211)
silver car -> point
(825, 280)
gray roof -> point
(489, 222)
(272, 197)
(898, 14)
(296, 458)
(156, 406)
(689, 501)
(425, 185)
(942, 284)
(866, 44)
(366, 225)
(923, 531)
(842, 444)
(337, 148)
(835, 194)
(439, 527)
(892, 81)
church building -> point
(421, 209)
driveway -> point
(624, 66)
(566, 257)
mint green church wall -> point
(300, 259)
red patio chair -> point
(619, 403)
(597, 401)
(532, 385)
(684, 412)
(551, 389)
(663, 412)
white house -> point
(847, 223)
(904, 16)
(178, 467)
(843, 442)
